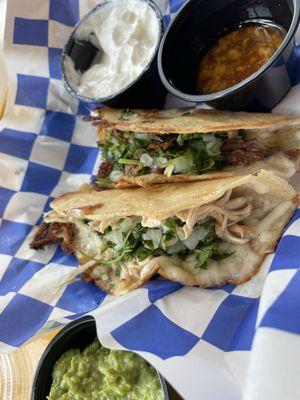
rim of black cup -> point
(87, 99)
(233, 89)
(47, 355)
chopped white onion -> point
(179, 246)
(198, 234)
(160, 162)
(115, 237)
(116, 175)
(191, 242)
(183, 165)
(209, 145)
(126, 225)
(208, 138)
(142, 136)
(155, 235)
(114, 140)
(146, 160)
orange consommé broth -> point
(237, 55)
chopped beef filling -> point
(55, 233)
(292, 154)
(242, 152)
(140, 153)
(87, 276)
(105, 169)
(160, 145)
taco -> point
(142, 147)
(203, 233)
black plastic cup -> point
(199, 22)
(146, 91)
(78, 334)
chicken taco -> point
(203, 233)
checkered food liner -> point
(226, 343)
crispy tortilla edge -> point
(149, 121)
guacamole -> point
(98, 373)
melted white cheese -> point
(127, 33)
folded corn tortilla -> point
(203, 233)
(211, 143)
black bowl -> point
(199, 22)
(146, 91)
(78, 334)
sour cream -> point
(127, 33)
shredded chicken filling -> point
(119, 254)
(226, 213)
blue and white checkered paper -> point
(229, 343)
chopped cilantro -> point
(171, 226)
(128, 161)
(103, 181)
(185, 154)
(140, 242)
(204, 254)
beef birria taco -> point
(142, 147)
(203, 233)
